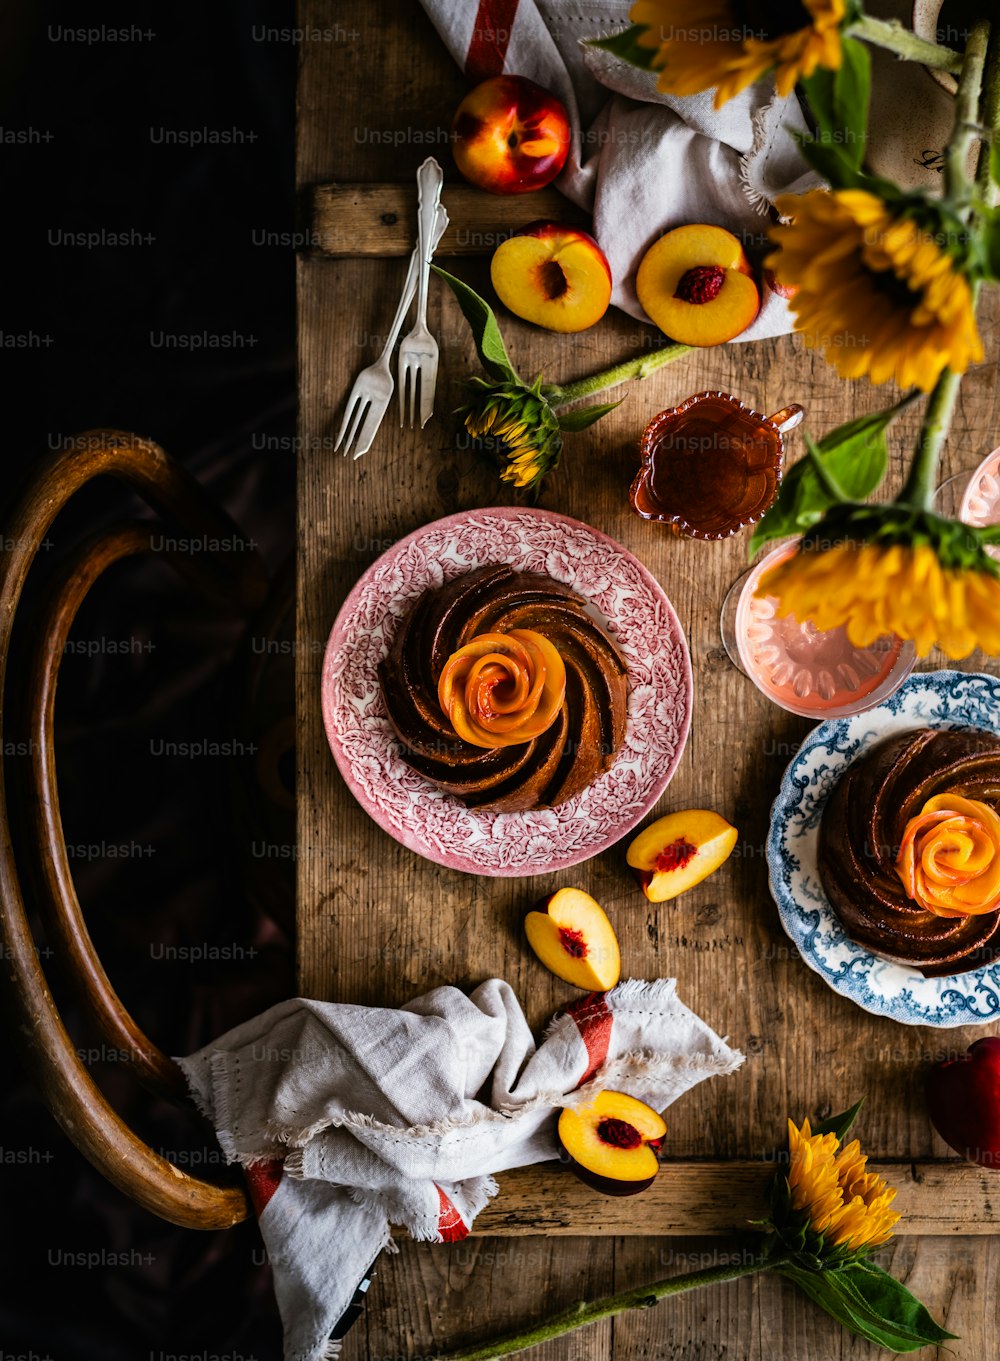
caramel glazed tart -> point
(543, 772)
(861, 831)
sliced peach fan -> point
(949, 859)
(502, 689)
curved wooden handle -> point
(66, 1085)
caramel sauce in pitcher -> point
(711, 465)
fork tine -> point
(349, 410)
(413, 396)
(376, 411)
(428, 377)
(404, 375)
(356, 413)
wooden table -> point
(379, 925)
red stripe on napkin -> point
(451, 1226)
(594, 1022)
(263, 1179)
(490, 38)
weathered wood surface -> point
(353, 220)
(695, 1198)
(377, 924)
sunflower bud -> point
(829, 1209)
(515, 425)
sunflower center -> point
(898, 291)
(767, 20)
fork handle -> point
(410, 287)
(430, 180)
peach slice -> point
(678, 851)
(612, 1143)
(571, 935)
(553, 275)
(696, 285)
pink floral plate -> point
(437, 825)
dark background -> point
(82, 325)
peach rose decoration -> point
(949, 860)
(503, 688)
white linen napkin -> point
(348, 1119)
(640, 161)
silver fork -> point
(373, 387)
(418, 354)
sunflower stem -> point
(966, 127)
(619, 373)
(989, 114)
(922, 479)
(584, 1312)
(891, 35)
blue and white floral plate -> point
(936, 699)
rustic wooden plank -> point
(378, 925)
(697, 1198)
(764, 1318)
(381, 219)
(432, 1297)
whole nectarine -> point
(510, 135)
(554, 275)
(963, 1101)
(697, 285)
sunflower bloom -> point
(873, 589)
(876, 293)
(516, 425)
(726, 45)
(840, 1199)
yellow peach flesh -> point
(557, 280)
(574, 939)
(666, 263)
(705, 838)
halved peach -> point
(678, 851)
(553, 275)
(697, 285)
(612, 1143)
(570, 933)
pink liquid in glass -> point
(806, 671)
(981, 502)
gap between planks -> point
(697, 1198)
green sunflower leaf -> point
(580, 419)
(852, 84)
(840, 1124)
(626, 47)
(869, 1302)
(890, 1298)
(832, 163)
(485, 329)
(855, 455)
(839, 102)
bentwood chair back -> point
(36, 1026)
